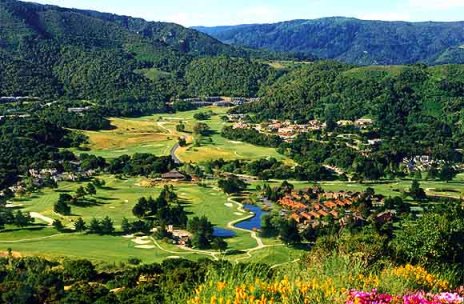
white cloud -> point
(436, 4)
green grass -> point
(219, 147)
(101, 249)
(129, 136)
(157, 134)
(116, 201)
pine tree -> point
(79, 225)
(107, 226)
(95, 226)
(125, 225)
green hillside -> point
(47, 51)
(353, 41)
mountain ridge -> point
(352, 40)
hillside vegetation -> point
(49, 52)
(352, 40)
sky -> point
(231, 12)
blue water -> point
(222, 232)
(255, 221)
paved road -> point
(174, 156)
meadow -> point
(116, 200)
(157, 134)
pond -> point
(255, 221)
(223, 233)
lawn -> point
(116, 201)
(157, 134)
(219, 147)
(129, 136)
(101, 249)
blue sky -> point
(227, 12)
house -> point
(330, 204)
(363, 122)
(181, 237)
(78, 110)
(345, 123)
(374, 142)
(173, 175)
(222, 104)
(296, 217)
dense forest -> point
(224, 76)
(46, 52)
(27, 142)
(416, 109)
(353, 41)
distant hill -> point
(48, 51)
(353, 41)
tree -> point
(78, 270)
(65, 198)
(21, 219)
(289, 232)
(58, 225)
(106, 226)
(435, 238)
(90, 189)
(416, 191)
(95, 226)
(62, 208)
(219, 244)
(141, 208)
(180, 127)
(79, 225)
(201, 116)
(447, 173)
(200, 241)
(232, 184)
(182, 141)
(126, 226)
(80, 192)
(201, 129)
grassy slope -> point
(117, 200)
(157, 134)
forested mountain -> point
(48, 51)
(352, 40)
(416, 108)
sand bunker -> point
(230, 205)
(140, 241)
(145, 247)
(238, 213)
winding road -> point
(173, 154)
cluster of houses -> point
(78, 110)
(16, 98)
(362, 123)
(421, 163)
(314, 207)
(219, 101)
(288, 130)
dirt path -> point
(161, 125)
